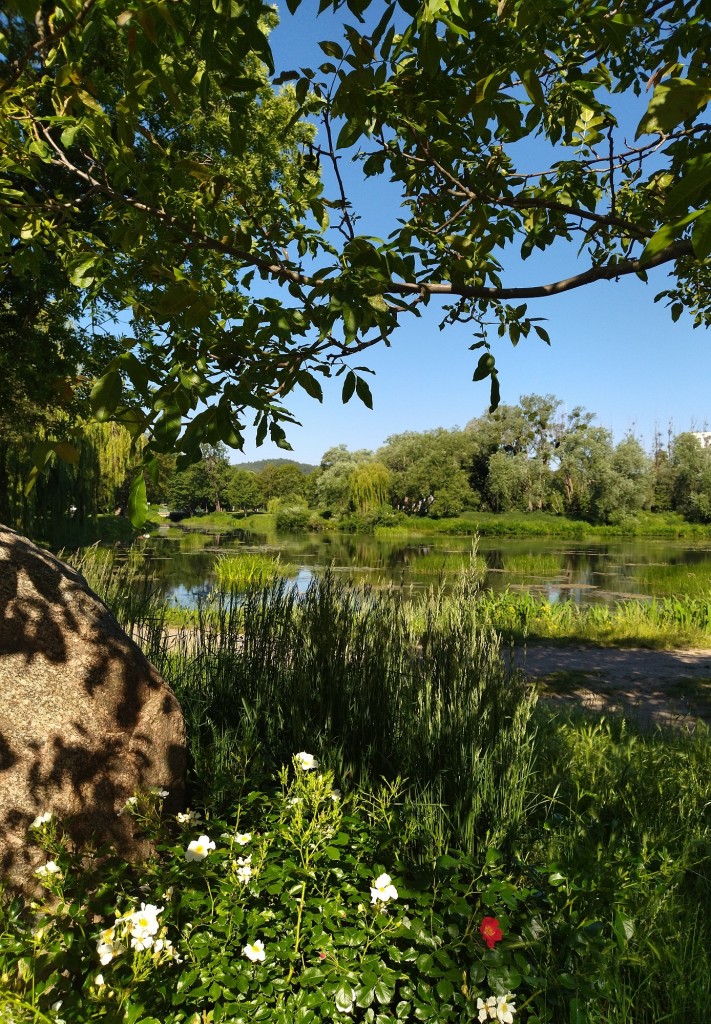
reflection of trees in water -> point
(585, 573)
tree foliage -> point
(147, 166)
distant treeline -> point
(527, 457)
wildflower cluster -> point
(141, 930)
(498, 1008)
(301, 889)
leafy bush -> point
(368, 522)
(292, 518)
(297, 909)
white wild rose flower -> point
(42, 819)
(244, 869)
(187, 818)
(307, 762)
(254, 951)
(108, 948)
(505, 1009)
(143, 926)
(487, 1010)
(199, 848)
(382, 890)
(50, 868)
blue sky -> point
(614, 351)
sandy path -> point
(654, 687)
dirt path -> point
(654, 687)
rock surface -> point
(85, 719)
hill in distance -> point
(257, 467)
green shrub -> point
(292, 518)
(296, 909)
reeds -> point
(247, 570)
(378, 686)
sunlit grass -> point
(663, 623)
(249, 569)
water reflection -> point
(181, 563)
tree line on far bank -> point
(533, 456)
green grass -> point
(545, 524)
(693, 580)
(626, 818)
(214, 521)
(248, 570)
(664, 623)
(607, 827)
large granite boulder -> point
(85, 719)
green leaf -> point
(484, 367)
(673, 102)
(344, 997)
(384, 991)
(542, 334)
(495, 393)
(349, 133)
(694, 184)
(80, 273)
(310, 385)
(332, 49)
(67, 452)
(69, 135)
(363, 392)
(40, 455)
(533, 87)
(137, 501)
(701, 235)
(666, 234)
(623, 927)
(106, 395)
(348, 387)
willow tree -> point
(142, 150)
(369, 485)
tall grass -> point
(249, 569)
(659, 623)
(626, 818)
(379, 686)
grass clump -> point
(247, 570)
(624, 821)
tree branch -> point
(43, 43)
(282, 273)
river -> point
(582, 571)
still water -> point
(558, 569)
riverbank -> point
(470, 524)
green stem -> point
(297, 937)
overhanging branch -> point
(280, 272)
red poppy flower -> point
(490, 931)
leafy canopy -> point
(148, 166)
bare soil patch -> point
(653, 687)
